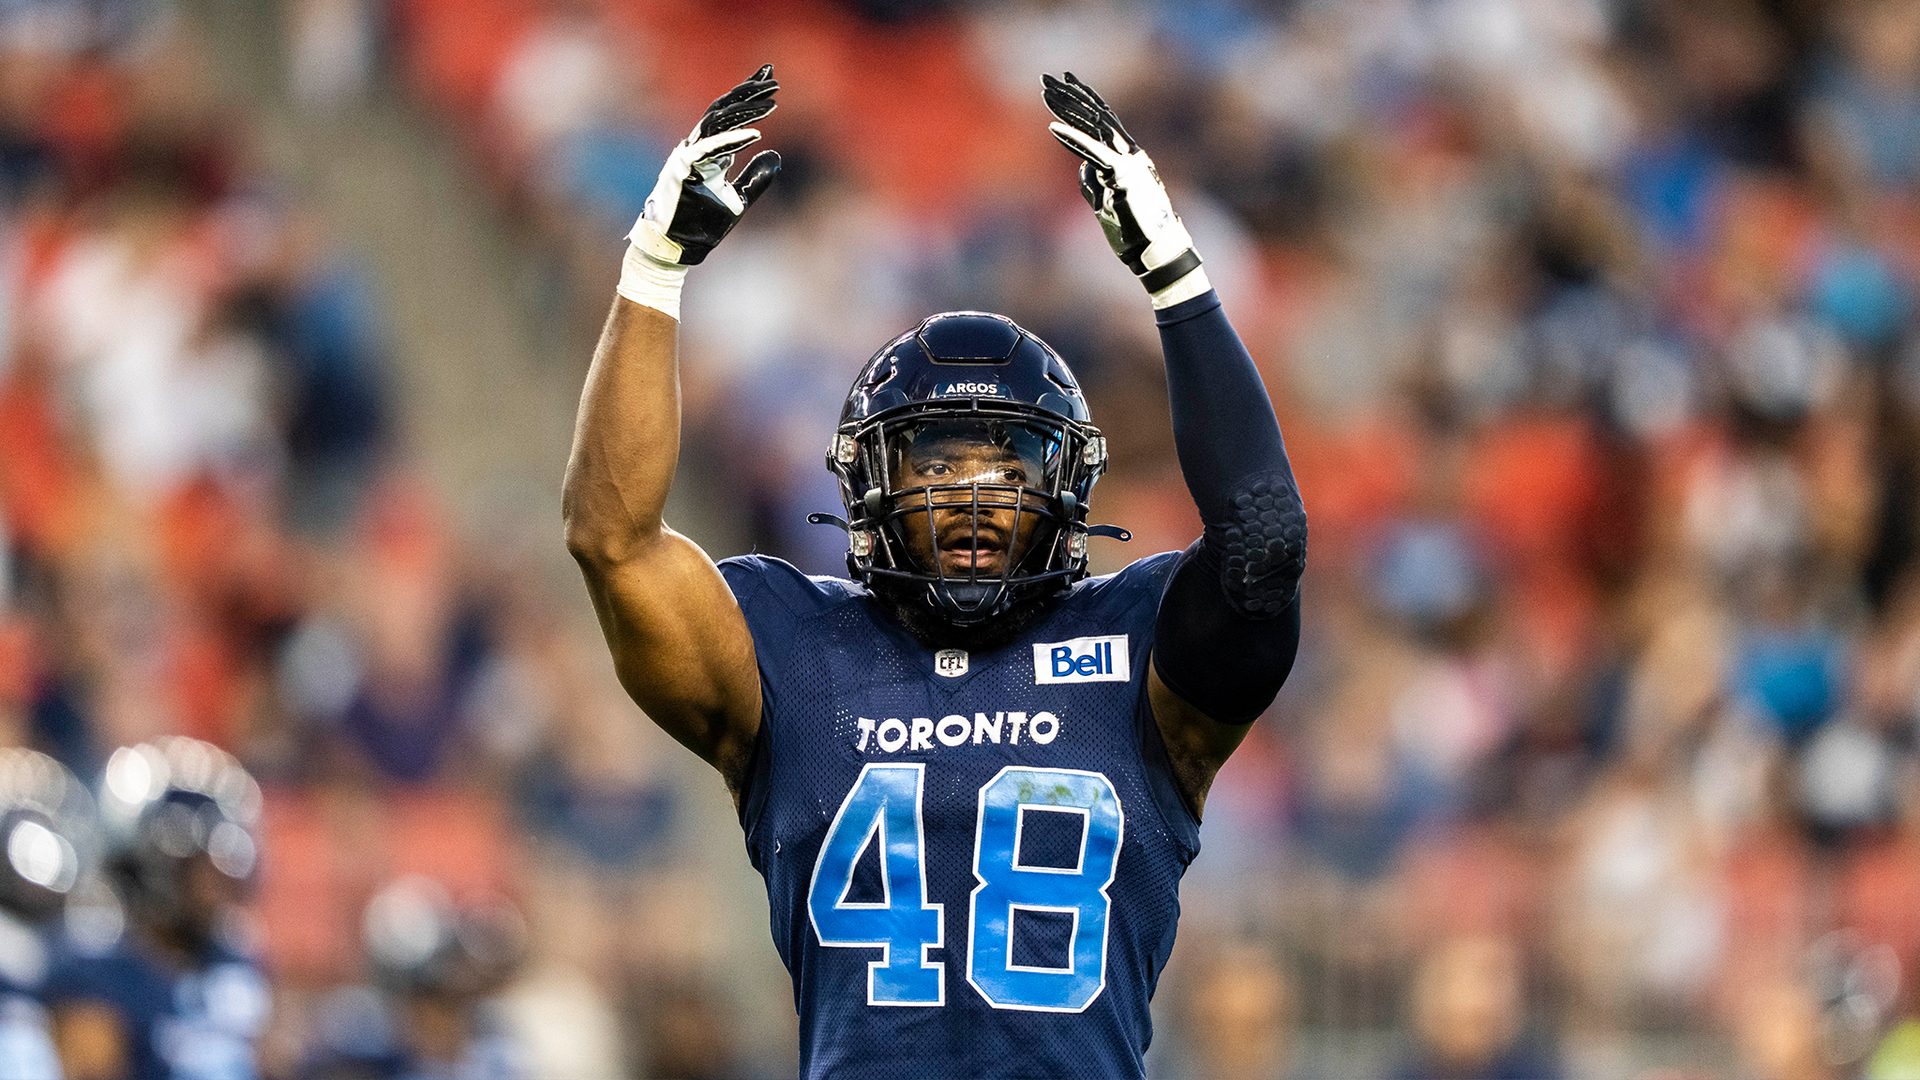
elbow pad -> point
(1261, 546)
(1229, 622)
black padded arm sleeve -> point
(1229, 622)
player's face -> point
(943, 469)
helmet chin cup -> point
(967, 603)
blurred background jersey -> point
(197, 1021)
(26, 1047)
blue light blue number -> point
(1007, 886)
(885, 800)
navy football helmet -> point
(45, 816)
(420, 941)
(973, 379)
(169, 802)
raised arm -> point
(1229, 621)
(679, 641)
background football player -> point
(972, 778)
(173, 997)
(434, 964)
(43, 821)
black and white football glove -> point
(1119, 181)
(694, 205)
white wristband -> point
(1193, 283)
(649, 282)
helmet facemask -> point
(967, 509)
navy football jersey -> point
(972, 861)
(195, 1023)
(26, 1048)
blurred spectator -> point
(593, 791)
(1777, 1031)
(1469, 1014)
(330, 51)
(1239, 1018)
(682, 1026)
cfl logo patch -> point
(1085, 659)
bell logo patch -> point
(1085, 659)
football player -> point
(971, 776)
(173, 997)
(43, 815)
(435, 963)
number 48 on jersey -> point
(885, 806)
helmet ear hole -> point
(875, 502)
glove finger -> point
(750, 91)
(1069, 106)
(1092, 95)
(1108, 116)
(760, 84)
(1078, 150)
(1086, 146)
(1083, 97)
(1059, 96)
(722, 145)
(738, 114)
(1074, 109)
(1091, 189)
(757, 176)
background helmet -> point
(419, 940)
(168, 802)
(967, 366)
(44, 833)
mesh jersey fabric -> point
(845, 688)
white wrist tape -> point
(649, 282)
(1190, 285)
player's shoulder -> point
(758, 580)
(1142, 579)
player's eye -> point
(936, 468)
(1013, 475)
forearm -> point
(1224, 430)
(1229, 623)
(626, 439)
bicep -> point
(1214, 669)
(681, 647)
(1197, 745)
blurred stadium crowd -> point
(1591, 327)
